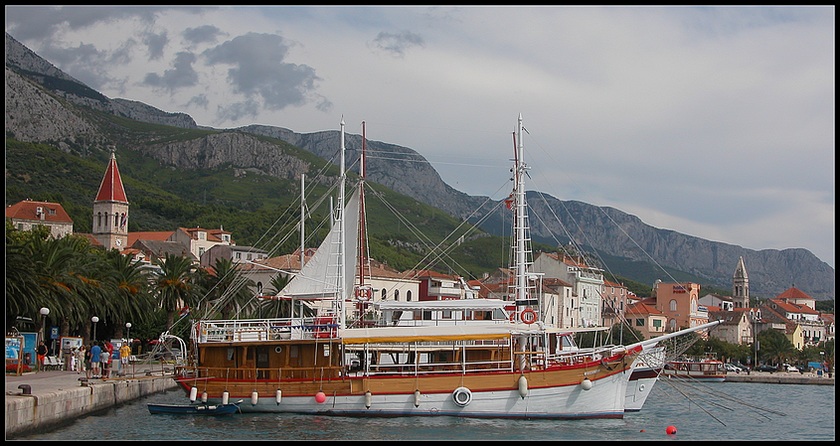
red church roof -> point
(111, 188)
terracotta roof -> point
(160, 236)
(27, 210)
(641, 308)
(793, 293)
(111, 188)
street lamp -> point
(94, 320)
(128, 332)
(44, 312)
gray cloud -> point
(396, 44)
(181, 75)
(259, 70)
(155, 44)
(202, 34)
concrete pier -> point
(42, 400)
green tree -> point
(174, 285)
(229, 290)
(775, 347)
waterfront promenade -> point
(40, 400)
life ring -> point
(364, 294)
(528, 316)
(512, 316)
(462, 396)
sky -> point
(715, 122)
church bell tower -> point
(110, 209)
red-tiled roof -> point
(111, 188)
(793, 293)
(27, 210)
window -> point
(640, 322)
(383, 294)
(397, 295)
(672, 305)
(408, 296)
(657, 323)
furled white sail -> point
(319, 278)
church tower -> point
(110, 209)
(741, 285)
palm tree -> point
(131, 281)
(230, 290)
(174, 284)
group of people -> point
(96, 361)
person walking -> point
(125, 353)
(79, 353)
(42, 355)
(95, 359)
(105, 359)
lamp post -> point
(128, 332)
(94, 320)
(43, 332)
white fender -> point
(586, 384)
(225, 397)
(277, 396)
(193, 393)
(417, 398)
(204, 397)
(367, 399)
(255, 398)
(523, 386)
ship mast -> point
(522, 251)
(363, 292)
(342, 254)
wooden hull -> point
(491, 396)
(593, 389)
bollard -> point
(25, 389)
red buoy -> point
(320, 397)
(671, 430)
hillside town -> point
(571, 293)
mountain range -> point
(47, 106)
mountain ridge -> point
(44, 105)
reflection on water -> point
(699, 411)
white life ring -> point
(462, 396)
(364, 294)
(528, 316)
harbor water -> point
(698, 411)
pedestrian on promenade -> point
(125, 353)
(79, 355)
(105, 359)
(71, 360)
(42, 355)
(86, 367)
(95, 359)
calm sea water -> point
(699, 411)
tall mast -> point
(342, 292)
(521, 226)
(302, 218)
(362, 292)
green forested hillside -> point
(259, 209)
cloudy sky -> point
(716, 122)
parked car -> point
(767, 368)
(790, 368)
(733, 368)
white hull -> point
(603, 400)
(637, 393)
